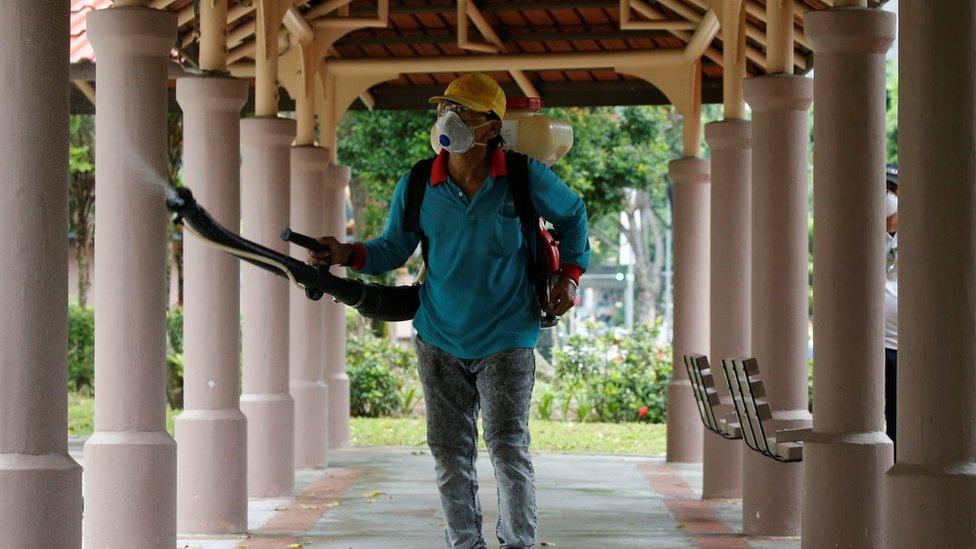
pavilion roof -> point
(428, 28)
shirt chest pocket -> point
(506, 235)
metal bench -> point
(753, 411)
(718, 416)
(744, 413)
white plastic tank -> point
(528, 132)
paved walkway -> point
(383, 498)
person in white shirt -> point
(891, 295)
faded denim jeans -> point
(455, 389)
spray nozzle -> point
(177, 199)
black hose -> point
(373, 301)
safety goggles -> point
(469, 116)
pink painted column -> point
(334, 334)
(306, 340)
(266, 402)
(130, 460)
(930, 493)
(772, 492)
(40, 499)
(691, 249)
(847, 453)
(731, 267)
(211, 433)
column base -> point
(771, 501)
(130, 496)
(684, 436)
(311, 423)
(843, 489)
(930, 506)
(270, 444)
(40, 504)
(211, 472)
(772, 492)
(339, 411)
(722, 468)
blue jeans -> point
(454, 390)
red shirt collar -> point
(438, 173)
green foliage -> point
(81, 152)
(891, 89)
(616, 149)
(174, 329)
(174, 357)
(174, 380)
(382, 375)
(611, 377)
(381, 146)
(81, 348)
(545, 405)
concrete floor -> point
(383, 498)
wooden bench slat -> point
(790, 451)
(792, 435)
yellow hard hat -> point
(476, 91)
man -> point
(891, 295)
(479, 319)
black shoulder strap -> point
(416, 187)
(517, 165)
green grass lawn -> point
(547, 436)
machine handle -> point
(302, 240)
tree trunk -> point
(177, 270)
(81, 255)
(638, 219)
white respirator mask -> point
(891, 204)
(454, 135)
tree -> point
(81, 195)
(619, 166)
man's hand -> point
(337, 255)
(562, 297)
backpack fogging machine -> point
(373, 301)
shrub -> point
(382, 375)
(174, 357)
(81, 352)
(174, 329)
(81, 348)
(611, 377)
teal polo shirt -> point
(477, 298)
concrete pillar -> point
(847, 453)
(266, 402)
(211, 433)
(691, 218)
(130, 460)
(40, 499)
(930, 493)
(772, 492)
(306, 339)
(336, 181)
(731, 265)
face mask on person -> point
(456, 136)
(891, 204)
